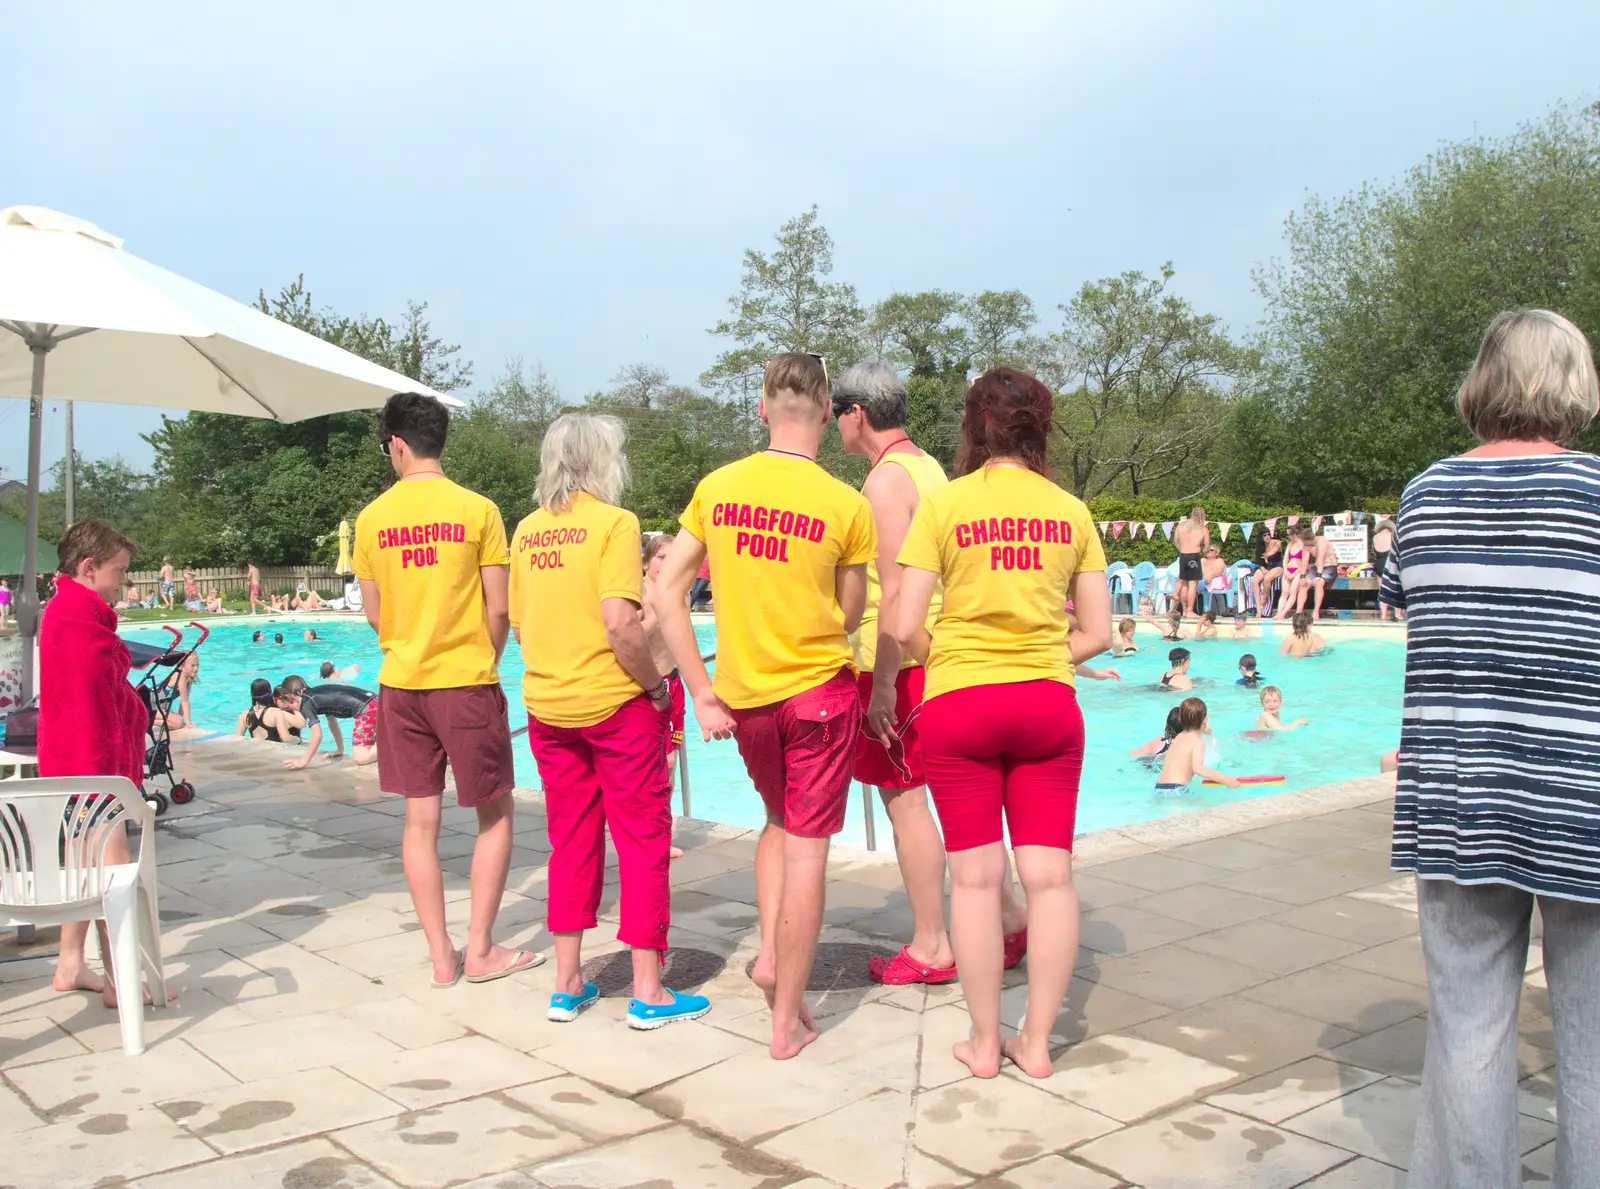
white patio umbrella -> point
(119, 330)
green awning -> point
(12, 536)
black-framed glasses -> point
(383, 446)
(842, 405)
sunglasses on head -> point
(822, 359)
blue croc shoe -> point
(565, 1008)
(646, 1016)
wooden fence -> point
(232, 580)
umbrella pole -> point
(28, 596)
(69, 478)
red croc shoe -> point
(903, 970)
(1016, 948)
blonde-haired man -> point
(790, 546)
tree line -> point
(1345, 390)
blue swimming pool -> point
(1351, 695)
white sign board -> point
(1349, 542)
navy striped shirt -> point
(1497, 563)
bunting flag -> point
(1104, 524)
(1167, 526)
(1224, 525)
(1291, 521)
(1272, 525)
(1341, 517)
(1316, 523)
(1116, 528)
(1150, 529)
(1245, 527)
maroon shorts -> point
(799, 754)
(1013, 750)
(421, 730)
(898, 767)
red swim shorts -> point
(1012, 750)
(898, 767)
(421, 730)
(364, 730)
(675, 712)
(799, 754)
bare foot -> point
(674, 852)
(787, 1044)
(498, 957)
(1032, 1059)
(982, 1064)
(83, 979)
(764, 974)
(108, 995)
(444, 969)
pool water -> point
(1351, 695)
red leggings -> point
(611, 774)
(1016, 748)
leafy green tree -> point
(924, 331)
(1144, 383)
(1376, 312)
(999, 323)
(786, 303)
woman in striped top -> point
(1496, 560)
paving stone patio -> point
(1249, 1012)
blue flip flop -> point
(565, 1008)
(648, 1016)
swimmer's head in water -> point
(261, 690)
(1210, 617)
(1191, 714)
(1179, 657)
(1271, 699)
(1174, 722)
(258, 637)
(327, 670)
(1127, 628)
(311, 633)
(295, 684)
(1175, 613)
(1247, 664)
(1302, 623)
(277, 637)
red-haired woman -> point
(1003, 736)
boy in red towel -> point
(91, 723)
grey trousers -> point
(1475, 940)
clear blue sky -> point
(576, 183)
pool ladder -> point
(866, 797)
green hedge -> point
(1162, 552)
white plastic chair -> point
(53, 869)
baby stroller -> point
(158, 689)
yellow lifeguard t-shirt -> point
(423, 542)
(562, 566)
(1006, 543)
(776, 529)
(927, 476)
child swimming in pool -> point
(1271, 704)
(1249, 675)
(1177, 677)
(1161, 742)
(1123, 644)
(1186, 758)
(1206, 629)
(1302, 641)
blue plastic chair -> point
(1166, 587)
(1238, 586)
(1121, 583)
(1144, 578)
